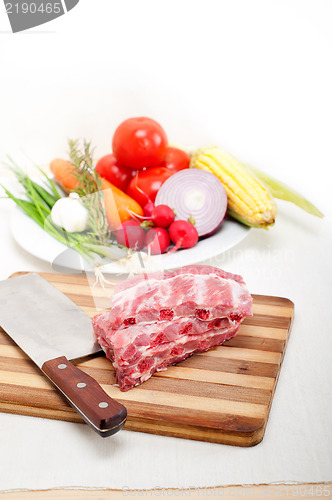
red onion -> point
(198, 195)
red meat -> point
(160, 319)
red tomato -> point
(175, 159)
(148, 181)
(108, 168)
(139, 142)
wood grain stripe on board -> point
(196, 362)
(260, 344)
(237, 408)
(222, 421)
(281, 310)
(91, 311)
(243, 354)
(50, 400)
(88, 303)
(232, 379)
(188, 387)
(68, 415)
(47, 398)
(208, 390)
(85, 290)
(267, 319)
(214, 434)
(12, 351)
(231, 366)
(180, 372)
(18, 365)
(191, 402)
(4, 338)
(262, 332)
(273, 300)
(25, 380)
(209, 434)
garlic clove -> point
(70, 214)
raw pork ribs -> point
(159, 319)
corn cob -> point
(249, 201)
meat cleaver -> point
(52, 330)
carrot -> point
(64, 175)
(118, 204)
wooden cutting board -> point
(222, 396)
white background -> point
(252, 76)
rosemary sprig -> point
(89, 189)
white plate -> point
(37, 242)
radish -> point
(183, 234)
(148, 209)
(157, 240)
(160, 216)
(131, 235)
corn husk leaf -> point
(283, 192)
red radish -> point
(162, 216)
(157, 240)
(183, 234)
(131, 235)
(148, 209)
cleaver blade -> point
(52, 330)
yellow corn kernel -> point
(248, 200)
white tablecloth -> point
(253, 77)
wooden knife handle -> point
(85, 395)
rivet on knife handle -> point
(105, 415)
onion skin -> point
(213, 230)
(196, 195)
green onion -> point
(38, 207)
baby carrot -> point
(64, 174)
(118, 204)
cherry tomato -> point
(108, 168)
(176, 159)
(148, 181)
(139, 142)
